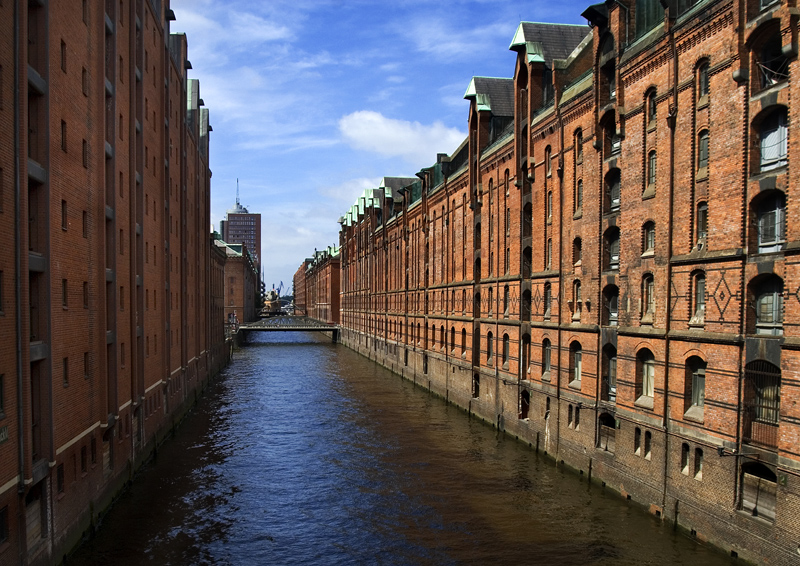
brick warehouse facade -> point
(110, 306)
(606, 267)
(316, 286)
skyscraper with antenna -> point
(243, 227)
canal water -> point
(304, 452)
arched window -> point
(698, 307)
(505, 301)
(442, 339)
(685, 459)
(549, 258)
(489, 348)
(611, 249)
(575, 364)
(645, 377)
(549, 206)
(702, 222)
(491, 300)
(651, 170)
(771, 222)
(652, 108)
(612, 191)
(463, 342)
(702, 82)
(577, 252)
(694, 388)
(649, 237)
(547, 300)
(506, 350)
(547, 166)
(772, 64)
(648, 298)
(772, 140)
(767, 294)
(578, 197)
(577, 300)
(579, 146)
(702, 153)
(546, 352)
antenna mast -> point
(237, 192)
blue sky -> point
(312, 101)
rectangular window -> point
(63, 56)
(66, 372)
(122, 354)
(122, 298)
(85, 81)
(63, 215)
(86, 294)
(86, 365)
(85, 224)
(85, 154)
(64, 289)
(63, 135)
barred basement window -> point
(759, 491)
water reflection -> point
(306, 453)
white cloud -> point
(439, 38)
(416, 143)
(347, 192)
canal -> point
(304, 452)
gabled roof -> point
(493, 94)
(545, 42)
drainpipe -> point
(18, 290)
(671, 123)
(742, 293)
(560, 173)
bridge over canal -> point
(290, 324)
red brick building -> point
(299, 289)
(241, 283)
(105, 290)
(604, 268)
(321, 286)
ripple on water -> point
(306, 453)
